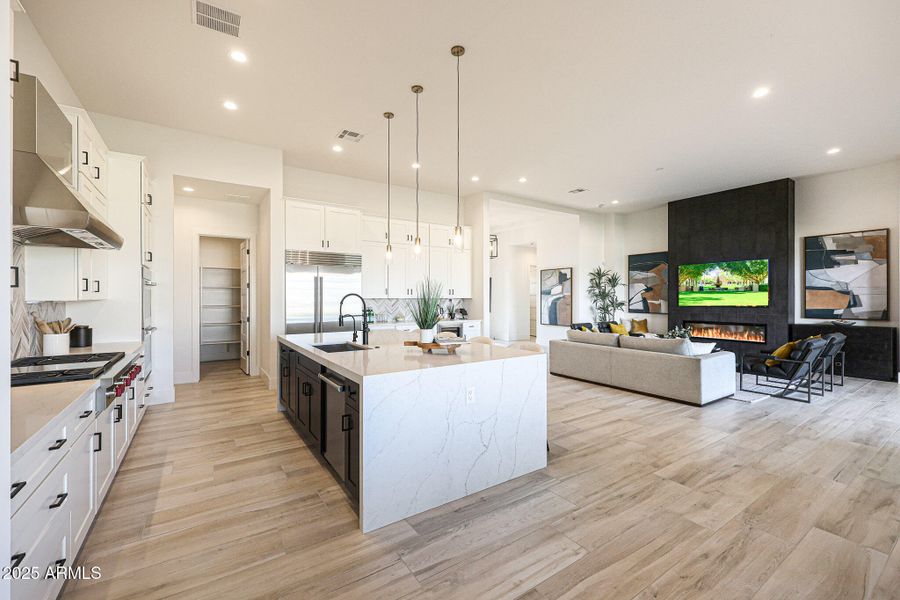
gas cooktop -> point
(68, 367)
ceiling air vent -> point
(350, 136)
(577, 190)
(236, 198)
(217, 19)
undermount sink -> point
(342, 347)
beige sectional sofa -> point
(660, 367)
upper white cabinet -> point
(146, 217)
(374, 229)
(442, 237)
(65, 274)
(89, 152)
(374, 270)
(453, 270)
(318, 227)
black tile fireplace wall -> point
(752, 222)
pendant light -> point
(417, 246)
(388, 253)
(457, 51)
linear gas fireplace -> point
(737, 332)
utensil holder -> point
(55, 343)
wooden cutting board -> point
(429, 348)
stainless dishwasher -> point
(335, 391)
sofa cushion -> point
(699, 348)
(678, 346)
(590, 337)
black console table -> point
(871, 352)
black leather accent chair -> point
(833, 355)
(801, 370)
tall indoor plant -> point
(602, 285)
(425, 309)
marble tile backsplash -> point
(24, 335)
(389, 309)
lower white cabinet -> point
(80, 467)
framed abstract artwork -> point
(846, 276)
(648, 283)
(556, 296)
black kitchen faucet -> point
(365, 324)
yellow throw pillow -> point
(616, 328)
(782, 352)
(639, 326)
(583, 328)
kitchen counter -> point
(433, 428)
(389, 358)
(33, 407)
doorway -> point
(533, 286)
(224, 304)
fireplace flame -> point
(739, 333)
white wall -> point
(511, 304)
(855, 200)
(642, 232)
(172, 152)
(195, 219)
(35, 59)
(369, 196)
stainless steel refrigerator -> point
(314, 284)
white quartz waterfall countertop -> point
(389, 358)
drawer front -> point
(308, 364)
(82, 416)
(51, 547)
(35, 515)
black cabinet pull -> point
(99, 447)
(96, 172)
(84, 160)
(306, 389)
(60, 498)
(149, 199)
(346, 423)
(118, 413)
(149, 256)
(285, 372)
(16, 488)
(15, 76)
(15, 282)
(59, 444)
(16, 560)
(87, 284)
(97, 286)
(85, 414)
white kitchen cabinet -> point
(471, 329)
(104, 468)
(374, 229)
(416, 269)
(318, 227)
(146, 217)
(342, 230)
(453, 270)
(397, 285)
(460, 274)
(89, 152)
(374, 270)
(80, 470)
(304, 226)
(51, 274)
(93, 273)
(442, 237)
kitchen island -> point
(406, 431)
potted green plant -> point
(602, 285)
(426, 308)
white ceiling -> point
(599, 95)
(218, 190)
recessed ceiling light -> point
(187, 189)
(614, 202)
(416, 165)
(337, 148)
(761, 92)
(834, 150)
(522, 180)
(475, 178)
(230, 105)
(238, 56)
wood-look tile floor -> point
(642, 499)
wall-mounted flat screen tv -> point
(730, 283)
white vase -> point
(426, 336)
(55, 344)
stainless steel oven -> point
(454, 328)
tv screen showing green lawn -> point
(731, 283)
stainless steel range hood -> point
(46, 209)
